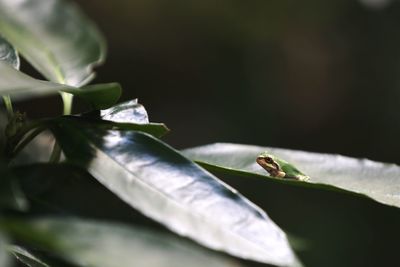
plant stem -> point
(9, 107)
(67, 101)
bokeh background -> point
(313, 75)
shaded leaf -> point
(37, 150)
(379, 181)
(101, 96)
(165, 186)
(21, 86)
(26, 257)
(3, 125)
(11, 196)
(55, 37)
(96, 243)
(8, 53)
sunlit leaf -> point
(155, 129)
(55, 37)
(162, 184)
(8, 53)
(127, 112)
(379, 181)
(96, 243)
(129, 115)
(21, 86)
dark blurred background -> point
(312, 75)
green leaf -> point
(155, 129)
(5, 260)
(26, 257)
(126, 112)
(96, 243)
(165, 186)
(8, 53)
(101, 96)
(379, 181)
(21, 86)
(55, 37)
(129, 115)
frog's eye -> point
(269, 160)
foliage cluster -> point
(115, 146)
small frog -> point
(279, 168)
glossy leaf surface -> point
(96, 243)
(55, 37)
(129, 115)
(21, 86)
(26, 257)
(165, 186)
(379, 181)
(8, 53)
(155, 129)
(127, 112)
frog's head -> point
(270, 164)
